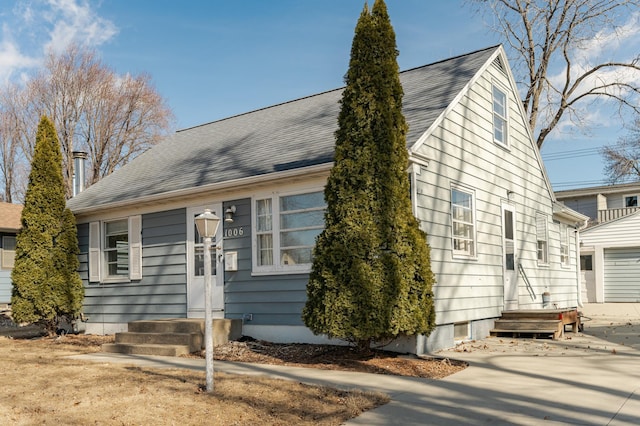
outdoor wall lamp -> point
(510, 195)
(207, 224)
(228, 214)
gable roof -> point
(280, 138)
(10, 217)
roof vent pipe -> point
(78, 171)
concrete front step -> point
(192, 340)
(172, 337)
(146, 349)
(167, 326)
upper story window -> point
(463, 223)
(115, 250)
(631, 201)
(541, 236)
(286, 229)
(499, 115)
(8, 251)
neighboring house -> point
(610, 248)
(9, 227)
(498, 238)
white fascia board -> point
(305, 172)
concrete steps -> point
(536, 323)
(171, 337)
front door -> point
(195, 266)
(509, 260)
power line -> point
(563, 155)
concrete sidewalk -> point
(590, 378)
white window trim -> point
(504, 143)
(97, 274)
(472, 192)
(542, 219)
(276, 268)
(4, 265)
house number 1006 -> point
(233, 232)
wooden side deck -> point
(537, 323)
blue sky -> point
(212, 59)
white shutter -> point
(135, 247)
(94, 252)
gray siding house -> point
(610, 247)
(498, 237)
(9, 227)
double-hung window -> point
(541, 236)
(564, 246)
(8, 251)
(499, 115)
(115, 250)
(463, 223)
(286, 230)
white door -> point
(195, 267)
(509, 260)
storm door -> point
(195, 267)
(509, 260)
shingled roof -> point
(278, 138)
(10, 217)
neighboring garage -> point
(622, 275)
(613, 251)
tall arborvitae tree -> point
(46, 284)
(371, 277)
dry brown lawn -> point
(41, 386)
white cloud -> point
(11, 59)
(33, 27)
(75, 22)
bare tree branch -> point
(555, 33)
(112, 117)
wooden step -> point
(532, 327)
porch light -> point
(207, 224)
(228, 214)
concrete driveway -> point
(589, 378)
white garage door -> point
(622, 275)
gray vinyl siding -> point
(462, 152)
(5, 278)
(5, 286)
(162, 291)
(270, 299)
